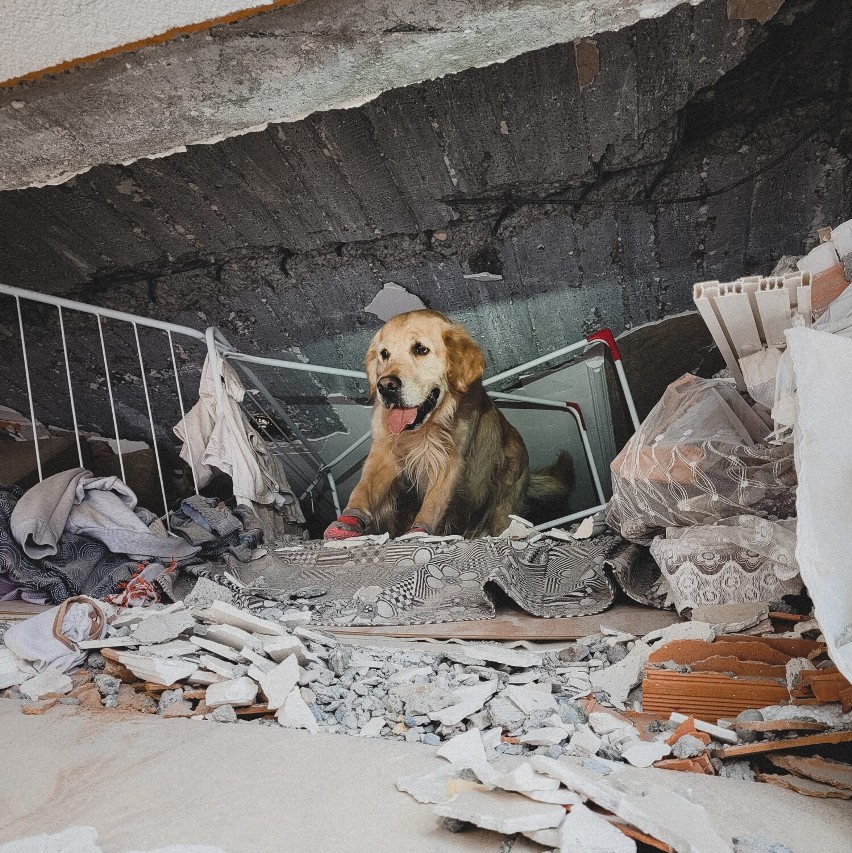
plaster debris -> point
(584, 831)
(391, 300)
(49, 681)
(295, 714)
(501, 812)
(162, 627)
(205, 592)
(228, 635)
(493, 654)
(279, 682)
(465, 750)
(165, 671)
(238, 692)
(470, 700)
(373, 727)
(642, 753)
(222, 613)
(619, 679)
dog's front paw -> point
(350, 523)
(421, 528)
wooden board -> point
(517, 625)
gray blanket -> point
(100, 508)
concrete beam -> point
(277, 66)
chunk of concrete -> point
(238, 692)
(217, 665)
(436, 786)
(529, 699)
(732, 618)
(619, 679)
(162, 627)
(485, 653)
(603, 723)
(501, 812)
(643, 753)
(680, 631)
(261, 662)
(520, 779)
(234, 638)
(295, 714)
(279, 648)
(584, 831)
(279, 682)
(549, 736)
(469, 701)
(215, 648)
(164, 671)
(205, 592)
(373, 727)
(222, 613)
(50, 680)
(172, 649)
(465, 750)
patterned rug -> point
(430, 579)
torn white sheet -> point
(822, 364)
(219, 436)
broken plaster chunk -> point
(226, 614)
(465, 750)
(493, 654)
(529, 698)
(716, 732)
(295, 714)
(217, 649)
(688, 746)
(731, 618)
(234, 638)
(680, 631)
(163, 671)
(205, 592)
(584, 741)
(603, 723)
(50, 680)
(391, 300)
(279, 682)
(294, 618)
(204, 678)
(549, 736)
(162, 627)
(373, 727)
(619, 679)
(172, 649)
(262, 663)
(279, 648)
(520, 779)
(501, 812)
(795, 668)
(220, 667)
(238, 692)
(320, 638)
(558, 796)
(469, 701)
(584, 831)
(433, 787)
(642, 753)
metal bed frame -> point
(262, 406)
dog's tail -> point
(551, 484)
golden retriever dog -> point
(444, 460)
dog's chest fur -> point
(424, 457)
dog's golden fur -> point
(458, 468)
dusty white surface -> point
(43, 33)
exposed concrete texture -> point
(276, 67)
(703, 148)
(41, 35)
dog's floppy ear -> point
(370, 360)
(465, 361)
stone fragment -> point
(127, 699)
(409, 673)
(295, 714)
(220, 667)
(264, 664)
(559, 796)
(465, 750)
(680, 631)
(795, 668)
(279, 648)
(584, 741)
(529, 698)
(48, 681)
(619, 679)
(501, 812)
(37, 708)
(205, 592)
(732, 618)
(279, 682)
(204, 677)
(505, 713)
(584, 831)
(487, 653)
(642, 753)
(224, 714)
(238, 692)
(162, 627)
(182, 708)
(106, 684)
(548, 736)
(436, 786)
(716, 732)
(320, 638)
(233, 638)
(520, 779)
(108, 643)
(218, 649)
(425, 698)
(688, 746)
(373, 727)
(294, 618)
(603, 723)
(164, 671)
(222, 613)
(470, 700)
(172, 649)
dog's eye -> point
(419, 349)
(385, 355)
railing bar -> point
(111, 401)
(514, 371)
(153, 430)
(180, 403)
(29, 388)
(59, 302)
(70, 386)
(293, 365)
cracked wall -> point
(702, 147)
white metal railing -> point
(266, 411)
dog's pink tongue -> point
(399, 419)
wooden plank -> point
(781, 745)
(518, 625)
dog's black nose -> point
(389, 386)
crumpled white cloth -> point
(103, 508)
(221, 437)
(34, 639)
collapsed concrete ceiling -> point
(279, 66)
